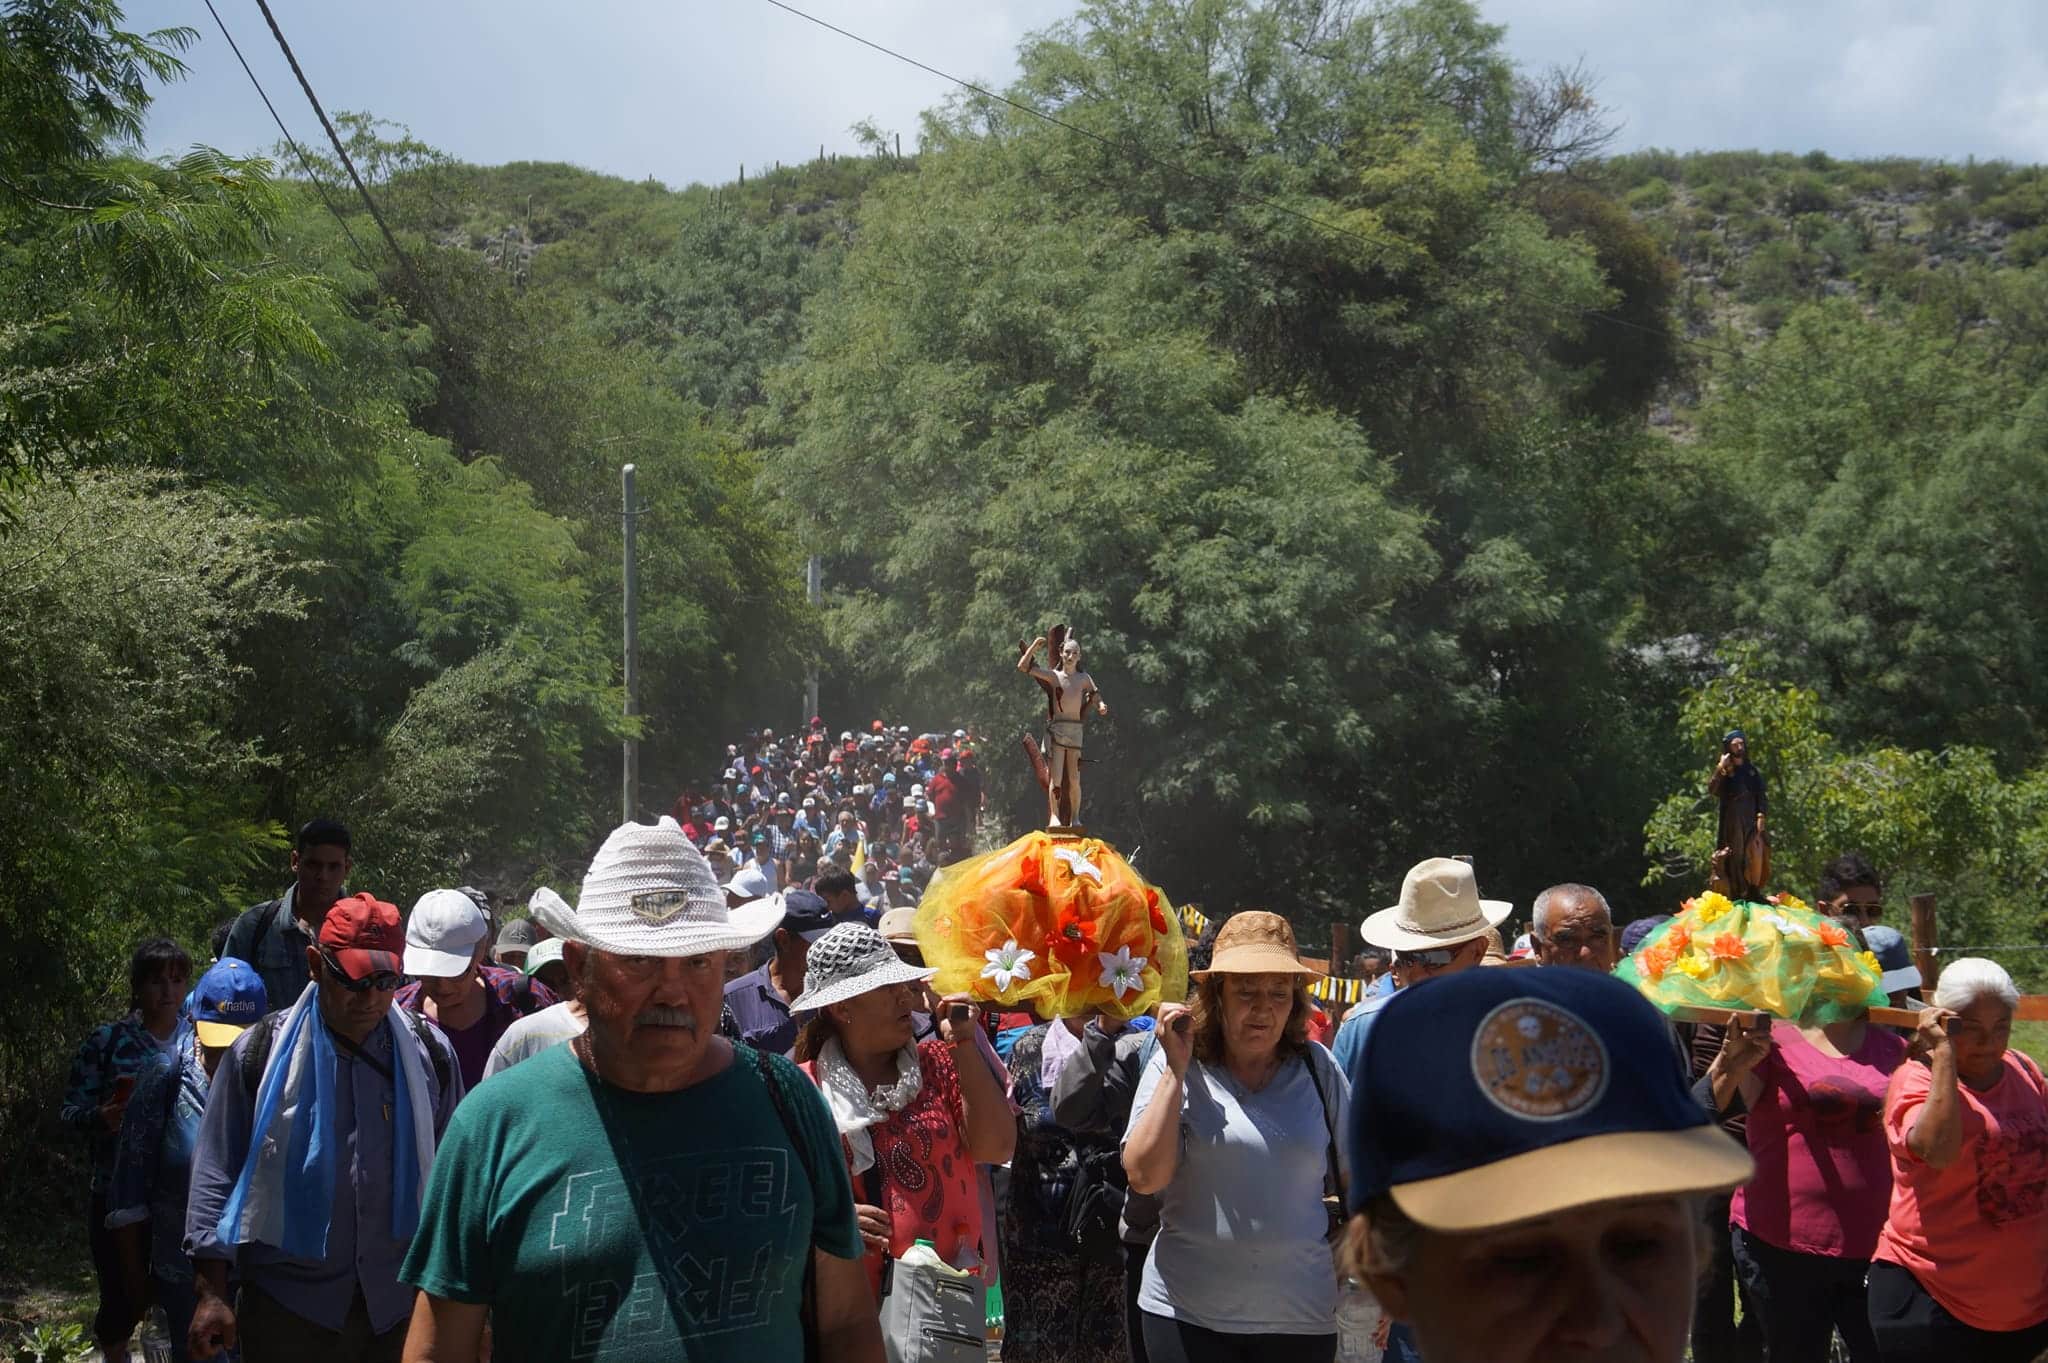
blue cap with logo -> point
(228, 999)
(1492, 1097)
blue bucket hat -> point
(1492, 1097)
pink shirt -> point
(1975, 1234)
(1823, 1174)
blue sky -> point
(689, 89)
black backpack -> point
(255, 1055)
(1093, 1220)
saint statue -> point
(1742, 855)
(1069, 695)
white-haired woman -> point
(1961, 1270)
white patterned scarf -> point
(856, 1107)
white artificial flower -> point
(1007, 964)
(1122, 973)
(1078, 863)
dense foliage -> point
(1416, 482)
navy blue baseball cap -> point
(1492, 1097)
(805, 914)
(228, 998)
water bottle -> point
(156, 1336)
(923, 1254)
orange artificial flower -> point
(1072, 941)
(1030, 874)
(1655, 960)
(1833, 936)
(1152, 907)
(1729, 946)
(1678, 938)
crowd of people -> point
(716, 1110)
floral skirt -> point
(1055, 1311)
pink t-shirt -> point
(927, 1176)
(1823, 1175)
(1975, 1233)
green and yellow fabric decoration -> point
(1779, 956)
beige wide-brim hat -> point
(899, 926)
(1440, 907)
(649, 892)
(1254, 943)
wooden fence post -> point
(1925, 939)
(1340, 949)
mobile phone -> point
(957, 1013)
(1182, 1024)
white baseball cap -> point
(441, 934)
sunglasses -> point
(376, 979)
(1436, 958)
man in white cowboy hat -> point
(1441, 926)
(648, 1190)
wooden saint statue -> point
(1742, 855)
(1069, 696)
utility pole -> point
(814, 580)
(629, 792)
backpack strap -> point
(256, 1051)
(808, 1311)
(434, 1053)
(1333, 1176)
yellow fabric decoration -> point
(1056, 923)
(1780, 957)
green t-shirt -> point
(598, 1223)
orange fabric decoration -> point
(1059, 924)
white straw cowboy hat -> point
(649, 892)
(849, 961)
(1440, 907)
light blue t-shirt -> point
(1241, 1246)
(1349, 1043)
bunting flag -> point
(1338, 988)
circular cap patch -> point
(1539, 1062)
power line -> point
(1233, 192)
(362, 257)
(1228, 190)
(404, 261)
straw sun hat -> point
(1254, 943)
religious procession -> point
(803, 1070)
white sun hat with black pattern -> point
(849, 961)
(649, 892)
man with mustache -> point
(650, 1191)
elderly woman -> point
(914, 1117)
(1961, 1270)
(1529, 1168)
(1806, 1225)
(1234, 1128)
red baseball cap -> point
(364, 935)
(878, 726)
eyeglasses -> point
(376, 979)
(1436, 958)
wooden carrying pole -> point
(1925, 937)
